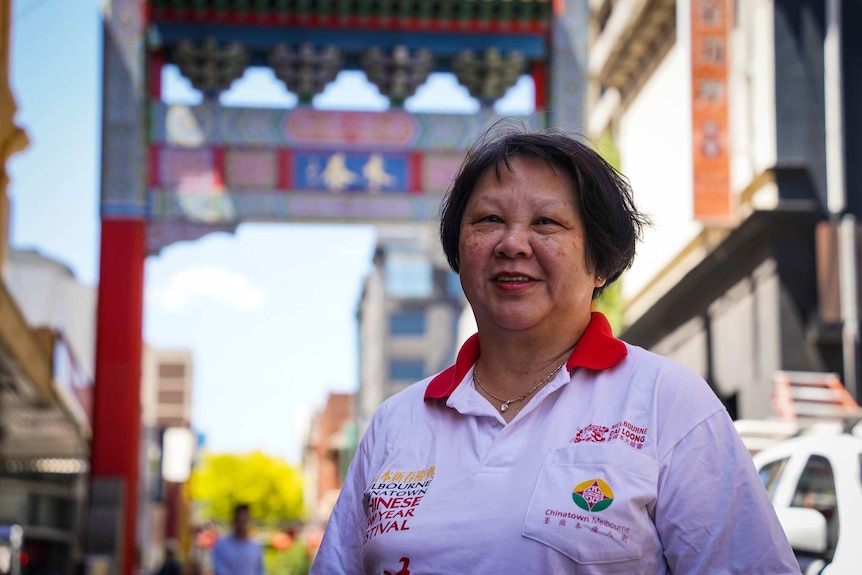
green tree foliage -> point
(292, 561)
(271, 487)
(605, 147)
(610, 302)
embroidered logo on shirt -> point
(624, 431)
(592, 433)
(593, 495)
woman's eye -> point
(545, 222)
(494, 219)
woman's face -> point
(523, 262)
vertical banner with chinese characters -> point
(710, 26)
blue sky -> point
(268, 312)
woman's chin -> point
(515, 323)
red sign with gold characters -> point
(710, 25)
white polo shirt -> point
(624, 463)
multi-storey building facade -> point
(167, 385)
(327, 452)
(408, 318)
(45, 444)
(46, 362)
(166, 403)
(724, 117)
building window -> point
(171, 397)
(453, 285)
(49, 511)
(407, 323)
(407, 369)
(172, 370)
(408, 275)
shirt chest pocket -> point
(590, 503)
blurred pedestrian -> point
(171, 566)
(238, 554)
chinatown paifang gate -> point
(174, 173)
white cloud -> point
(205, 283)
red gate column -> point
(112, 534)
(117, 413)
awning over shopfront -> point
(38, 418)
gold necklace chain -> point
(504, 407)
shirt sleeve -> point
(712, 509)
(340, 551)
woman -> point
(550, 446)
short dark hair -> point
(612, 224)
(240, 508)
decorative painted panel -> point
(438, 171)
(187, 170)
(251, 169)
(123, 108)
(231, 208)
(217, 166)
(340, 171)
(161, 234)
(305, 127)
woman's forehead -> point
(512, 170)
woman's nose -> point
(515, 242)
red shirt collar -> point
(597, 349)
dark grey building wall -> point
(743, 312)
(799, 98)
(800, 29)
(852, 78)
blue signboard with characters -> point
(351, 171)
